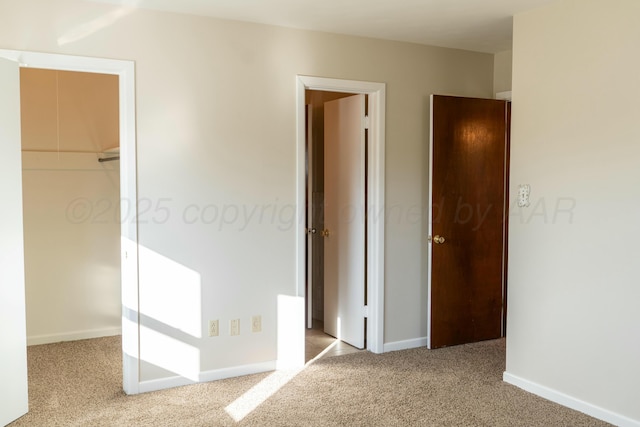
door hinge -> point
(365, 311)
(367, 122)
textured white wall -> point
(574, 323)
(216, 131)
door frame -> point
(430, 221)
(309, 215)
(375, 195)
(125, 70)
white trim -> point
(237, 371)
(163, 383)
(376, 196)
(309, 216)
(570, 401)
(406, 344)
(430, 221)
(129, 228)
(506, 95)
(73, 336)
(206, 376)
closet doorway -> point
(12, 61)
(71, 213)
(322, 301)
(371, 308)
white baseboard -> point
(570, 402)
(162, 384)
(73, 336)
(237, 371)
(405, 345)
(206, 376)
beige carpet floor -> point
(79, 384)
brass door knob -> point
(325, 233)
(437, 239)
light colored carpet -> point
(79, 384)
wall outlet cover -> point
(234, 327)
(214, 328)
(256, 324)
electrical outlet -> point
(524, 193)
(214, 329)
(256, 323)
(234, 327)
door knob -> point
(325, 233)
(311, 231)
(437, 239)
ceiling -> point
(478, 25)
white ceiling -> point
(479, 25)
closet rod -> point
(108, 159)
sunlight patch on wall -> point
(169, 353)
(170, 293)
(290, 332)
(129, 332)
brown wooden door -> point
(469, 161)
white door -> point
(310, 219)
(344, 219)
(13, 333)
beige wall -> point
(68, 111)
(574, 323)
(502, 70)
(216, 128)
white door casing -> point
(375, 196)
(13, 357)
(128, 189)
(344, 219)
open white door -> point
(13, 333)
(344, 219)
(311, 231)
